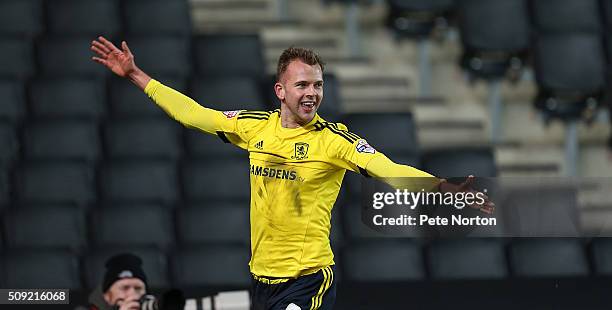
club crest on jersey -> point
(230, 114)
(301, 151)
(364, 147)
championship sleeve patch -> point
(364, 147)
(230, 114)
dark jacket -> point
(96, 301)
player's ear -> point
(279, 90)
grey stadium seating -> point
(21, 18)
(62, 140)
(222, 179)
(55, 182)
(217, 55)
(548, 257)
(146, 181)
(9, 142)
(384, 261)
(67, 17)
(45, 227)
(16, 58)
(143, 138)
(68, 98)
(211, 266)
(222, 223)
(40, 269)
(123, 225)
(562, 16)
(460, 162)
(467, 259)
(495, 36)
(68, 56)
(12, 106)
(162, 55)
(228, 93)
(145, 17)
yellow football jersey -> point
(295, 176)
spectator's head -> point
(124, 279)
(299, 84)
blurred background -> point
(495, 88)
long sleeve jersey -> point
(295, 177)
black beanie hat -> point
(123, 266)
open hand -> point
(120, 61)
(487, 206)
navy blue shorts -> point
(314, 291)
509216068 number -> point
(34, 296)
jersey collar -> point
(290, 132)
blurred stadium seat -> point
(211, 266)
(460, 162)
(144, 17)
(45, 227)
(22, 18)
(562, 16)
(546, 211)
(154, 264)
(217, 55)
(467, 259)
(570, 72)
(137, 225)
(16, 58)
(55, 182)
(68, 17)
(143, 138)
(40, 269)
(162, 55)
(10, 144)
(418, 18)
(548, 257)
(384, 261)
(228, 93)
(68, 56)
(12, 106)
(216, 223)
(62, 140)
(495, 36)
(5, 184)
(217, 180)
(139, 181)
(68, 98)
(601, 250)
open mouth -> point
(308, 105)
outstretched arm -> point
(178, 106)
(402, 176)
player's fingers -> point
(100, 46)
(126, 48)
(100, 60)
(108, 44)
(487, 211)
(467, 183)
(99, 51)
